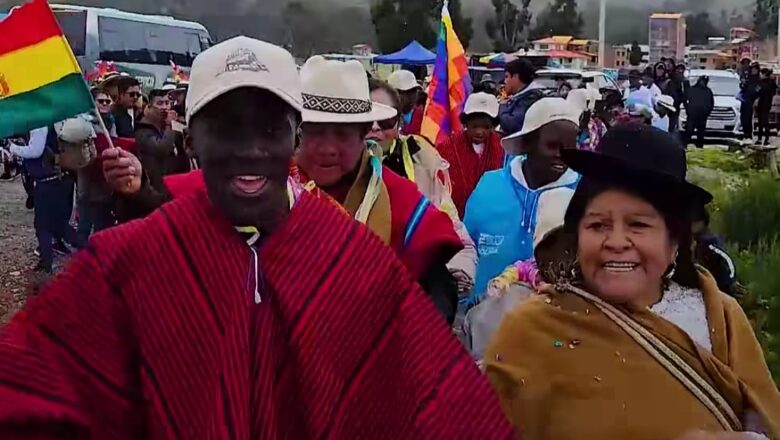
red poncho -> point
(153, 332)
(466, 166)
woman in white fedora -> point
(337, 115)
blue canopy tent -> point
(412, 55)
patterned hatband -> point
(336, 105)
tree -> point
(462, 25)
(635, 56)
(765, 18)
(561, 17)
(398, 22)
(700, 28)
(506, 28)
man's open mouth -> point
(248, 185)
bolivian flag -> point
(40, 79)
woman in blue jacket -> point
(501, 213)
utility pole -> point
(603, 33)
(778, 32)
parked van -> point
(141, 45)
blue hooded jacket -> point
(501, 218)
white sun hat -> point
(481, 103)
(667, 102)
(541, 113)
(553, 204)
(337, 92)
(403, 81)
(242, 62)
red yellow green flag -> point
(40, 79)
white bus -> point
(140, 45)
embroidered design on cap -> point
(335, 105)
(243, 60)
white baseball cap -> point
(667, 102)
(481, 103)
(75, 130)
(242, 62)
(541, 113)
(403, 80)
(553, 204)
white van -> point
(141, 45)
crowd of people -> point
(293, 259)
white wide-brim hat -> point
(541, 113)
(337, 92)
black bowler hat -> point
(642, 154)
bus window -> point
(127, 41)
(74, 26)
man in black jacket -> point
(129, 90)
(749, 91)
(678, 89)
(766, 94)
(701, 101)
(154, 137)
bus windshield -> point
(128, 41)
(74, 26)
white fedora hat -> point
(337, 92)
(667, 102)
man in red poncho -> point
(248, 309)
(475, 150)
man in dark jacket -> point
(701, 101)
(129, 90)
(154, 137)
(523, 93)
(766, 94)
(749, 92)
(678, 89)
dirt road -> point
(17, 243)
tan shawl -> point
(564, 370)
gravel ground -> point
(17, 243)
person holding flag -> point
(41, 84)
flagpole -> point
(602, 33)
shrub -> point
(751, 214)
(758, 268)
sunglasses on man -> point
(134, 95)
(104, 101)
(388, 124)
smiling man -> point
(502, 212)
(246, 309)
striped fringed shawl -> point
(153, 333)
